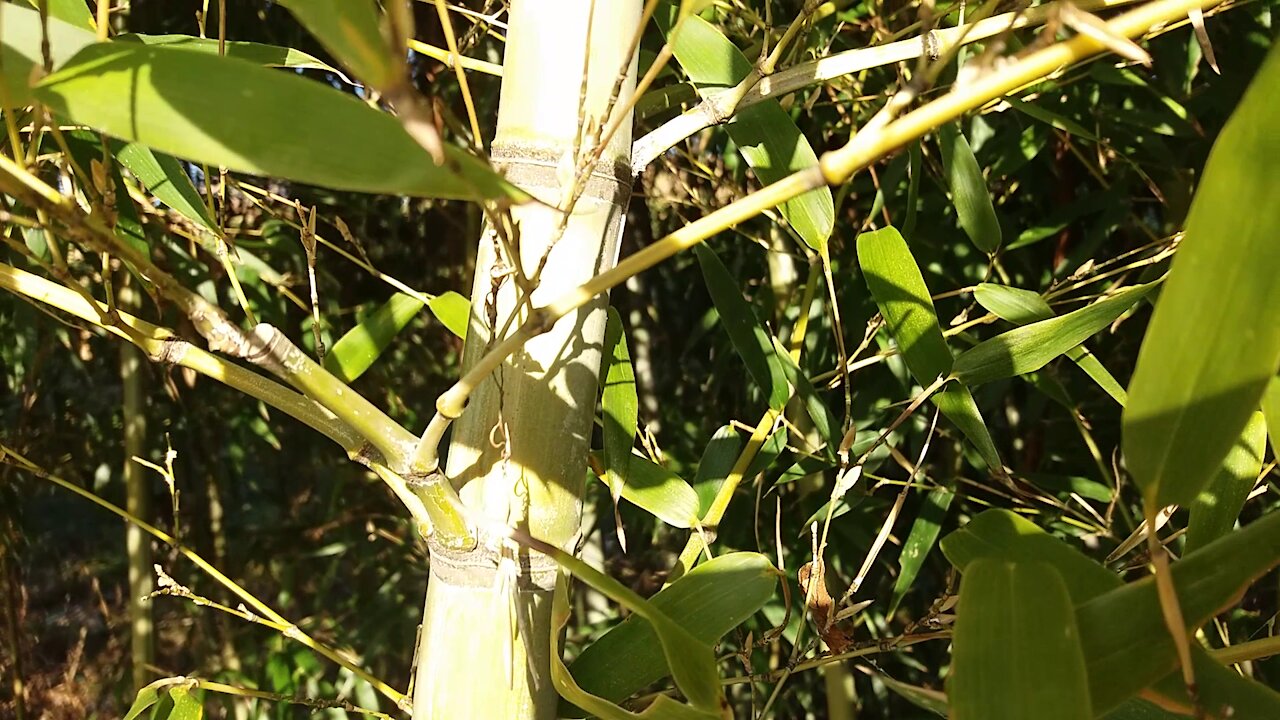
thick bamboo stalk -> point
(518, 454)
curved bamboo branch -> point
(720, 106)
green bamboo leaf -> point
(1002, 535)
(662, 708)
(163, 176)
(1124, 631)
(1214, 340)
(72, 12)
(453, 311)
(348, 29)
(257, 53)
(1051, 118)
(745, 330)
(1021, 307)
(619, 406)
(147, 696)
(1066, 484)
(86, 149)
(1216, 508)
(1016, 305)
(235, 114)
(715, 465)
(1016, 651)
(185, 705)
(709, 601)
(764, 133)
(923, 698)
(20, 55)
(1271, 410)
(357, 350)
(924, 533)
(660, 492)
(1031, 347)
(915, 168)
(899, 290)
(969, 190)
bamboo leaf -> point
(163, 176)
(20, 55)
(1049, 117)
(1271, 410)
(619, 405)
(1124, 631)
(715, 465)
(72, 12)
(357, 350)
(1016, 305)
(709, 601)
(1016, 649)
(1214, 512)
(915, 168)
(899, 290)
(453, 311)
(924, 533)
(663, 708)
(185, 705)
(1214, 340)
(348, 29)
(923, 698)
(86, 149)
(824, 422)
(660, 492)
(764, 133)
(1031, 347)
(969, 190)
(257, 53)
(1217, 575)
(236, 114)
(745, 330)
(1021, 307)
(147, 696)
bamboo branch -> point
(720, 106)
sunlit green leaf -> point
(72, 12)
(259, 53)
(164, 177)
(21, 56)
(185, 705)
(237, 114)
(709, 601)
(349, 30)
(660, 492)
(1214, 340)
(1049, 117)
(715, 465)
(147, 696)
(745, 330)
(1216, 508)
(1016, 305)
(453, 311)
(1271, 410)
(1031, 347)
(969, 190)
(1016, 649)
(357, 350)
(899, 290)
(764, 133)
(619, 405)
(924, 533)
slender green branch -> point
(8, 455)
